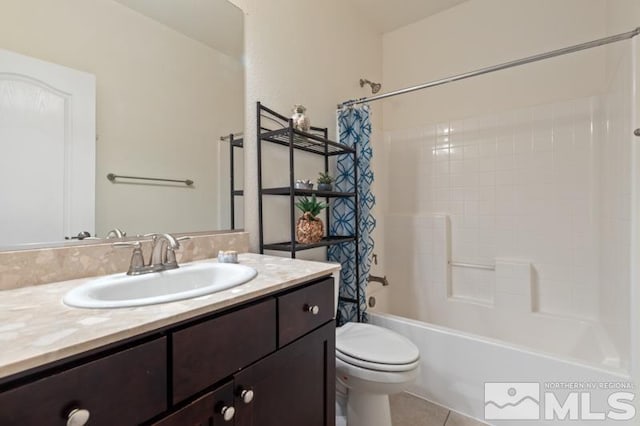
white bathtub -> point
(455, 367)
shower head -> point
(375, 87)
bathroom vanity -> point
(261, 356)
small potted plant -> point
(309, 228)
(325, 182)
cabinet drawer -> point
(296, 315)
(125, 388)
(210, 351)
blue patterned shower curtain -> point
(354, 127)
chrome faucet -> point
(163, 251)
(162, 258)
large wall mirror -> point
(168, 82)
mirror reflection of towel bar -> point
(112, 177)
(472, 265)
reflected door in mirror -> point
(47, 137)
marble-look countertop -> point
(36, 328)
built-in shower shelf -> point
(325, 242)
(305, 141)
(307, 192)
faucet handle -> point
(184, 238)
(127, 244)
(171, 261)
(136, 265)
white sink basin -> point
(188, 281)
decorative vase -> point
(309, 229)
(300, 120)
(303, 184)
(325, 186)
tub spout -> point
(381, 280)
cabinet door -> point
(215, 408)
(294, 386)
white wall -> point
(615, 192)
(476, 34)
(622, 16)
(481, 33)
(163, 100)
(310, 53)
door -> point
(294, 386)
(47, 141)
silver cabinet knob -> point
(78, 417)
(227, 413)
(246, 395)
(313, 309)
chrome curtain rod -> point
(112, 177)
(511, 64)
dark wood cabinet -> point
(210, 351)
(216, 408)
(303, 310)
(125, 388)
(265, 363)
(294, 386)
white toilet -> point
(372, 363)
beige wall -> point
(311, 53)
(163, 100)
(481, 33)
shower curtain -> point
(354, 129)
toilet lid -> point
(375, 347)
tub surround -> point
(36, 328)
(26, 268)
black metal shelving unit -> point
(315, 141)
(234, 143)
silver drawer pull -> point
(227, 413)
(246, 395)
(313, 309)
(78, 417)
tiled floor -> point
(408, 410)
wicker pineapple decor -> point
(309, 228)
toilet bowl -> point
(372, 363)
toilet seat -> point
(376, 366)
(375, 348)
